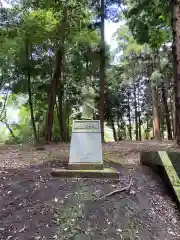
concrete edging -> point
(162, 164)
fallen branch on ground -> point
(117, 191)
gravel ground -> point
(36, 206)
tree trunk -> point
(102, 70)
(153, 132)
(66, 114)
(57, 109)
(114, 130)
(166, 111)
(176, 64)
(111, 120)
(119, 134)
(38, 131)
(155, 109)
(55, 79)
(139, 114)
(30, 94)
(52, 100)
(129, 117)
(139, 121)
(162, 124)
(68, 122)
(136, 112)
(62, 105)
(147, 126)
(156, 126)
(172, 112)
(174, 115)
(61, 115)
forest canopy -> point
(51, 50)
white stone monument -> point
(86, 146)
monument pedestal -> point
(103, 173)
(85, 166)
(86, 158)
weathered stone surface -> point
(86, 146)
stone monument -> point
(86, 158)
(86, 146)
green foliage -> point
(30, 35)
(149, 21)
(3, 133)
(156, 77)
(23, 129)
(29, 43)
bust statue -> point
(88, 103)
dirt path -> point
(33, 205)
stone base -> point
(104, 173)
(85, 166)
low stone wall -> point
(167, 165)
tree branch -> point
(9, 128)
(117, 191)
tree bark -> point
(52, 100)
(66, 114)
(139, 123)
(129, 116)
(176, 64)
(172, 112)
(57, 109)
(156, 126)
(139, 114)
(136, 112)
(114, 130)
(29, 88)
(111, 120)
(68, 122)
(155, 109)
(162, 124)
(147, 126)
(166, 111)
(119, 134)
(55, 79)
(61, 115)
(65, 125)
(102, 69)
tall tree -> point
(176, 60)
(102, 68)
(56, 75)
(29, 89)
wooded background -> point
(50, 50)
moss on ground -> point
(112, 157)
